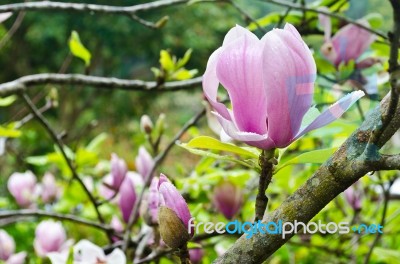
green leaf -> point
(70, 259)
(346, 70)
(265, 21)
(316, 156)
(182, 62)
(375, 20)
(166, 61)
(218, 157)
(386, 255)
(9, 132)
(6, 101)
(183, 74)
(204, 142)
(96, 143)
(78, 49)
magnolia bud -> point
(172, 230)
(354, 196)
(196, 254)
(7, 245)
(228, 198)
(127, 198)
(146, 125)
(22, 187)
(144, 162)
(50, 190)
(50, 236)
(119, 170)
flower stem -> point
(184, 255)
(267, 162)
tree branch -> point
(344, 168)
(82, 7)
(99, 82)
(40, 213)
(60, 145)
(345, 19)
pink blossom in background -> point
(7, 250)
(270, 83)
(85, 252)
(349, 42)
(144, 162)
(127, 198)
(50, 237)
(118, 171)
(22, 187)
(49, 188)
(228, 199)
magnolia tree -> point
(301, 105)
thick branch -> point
(344, 168)
(41, 213)
(345, 19)
(81, 7)
(99, 82)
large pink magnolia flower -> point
(7, 250)
(347, 44)
(270, 83)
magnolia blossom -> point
(150, 203)
(22, 187)
(144, 162)
(228, 198)
(353, 196)
(50, 236)
(270, 83)
(7, 250)
(49, 189)
(119, 169)
(117, 226)
(86, 252)
(127, 198)
(196, 254)
(347, 44)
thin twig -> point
(40, 213)
(95, 81)
(386, 194)
(88, 8)
(13, 29)
(347, 20)
(157, 161)
(247, 16)
(267, 168)
(60, 145)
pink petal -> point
(325, 22)
(236, 33)
(239, 70)
(332, 113)
(211, 83)
(289, 74)
(17, 258)
(253, 139)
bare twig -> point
(157, 161)
(100, 82)
(13, 29)
(345, 19)
(88, 8)
(60, 145)
(386, 195)
(247, 16)
(40, 213)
